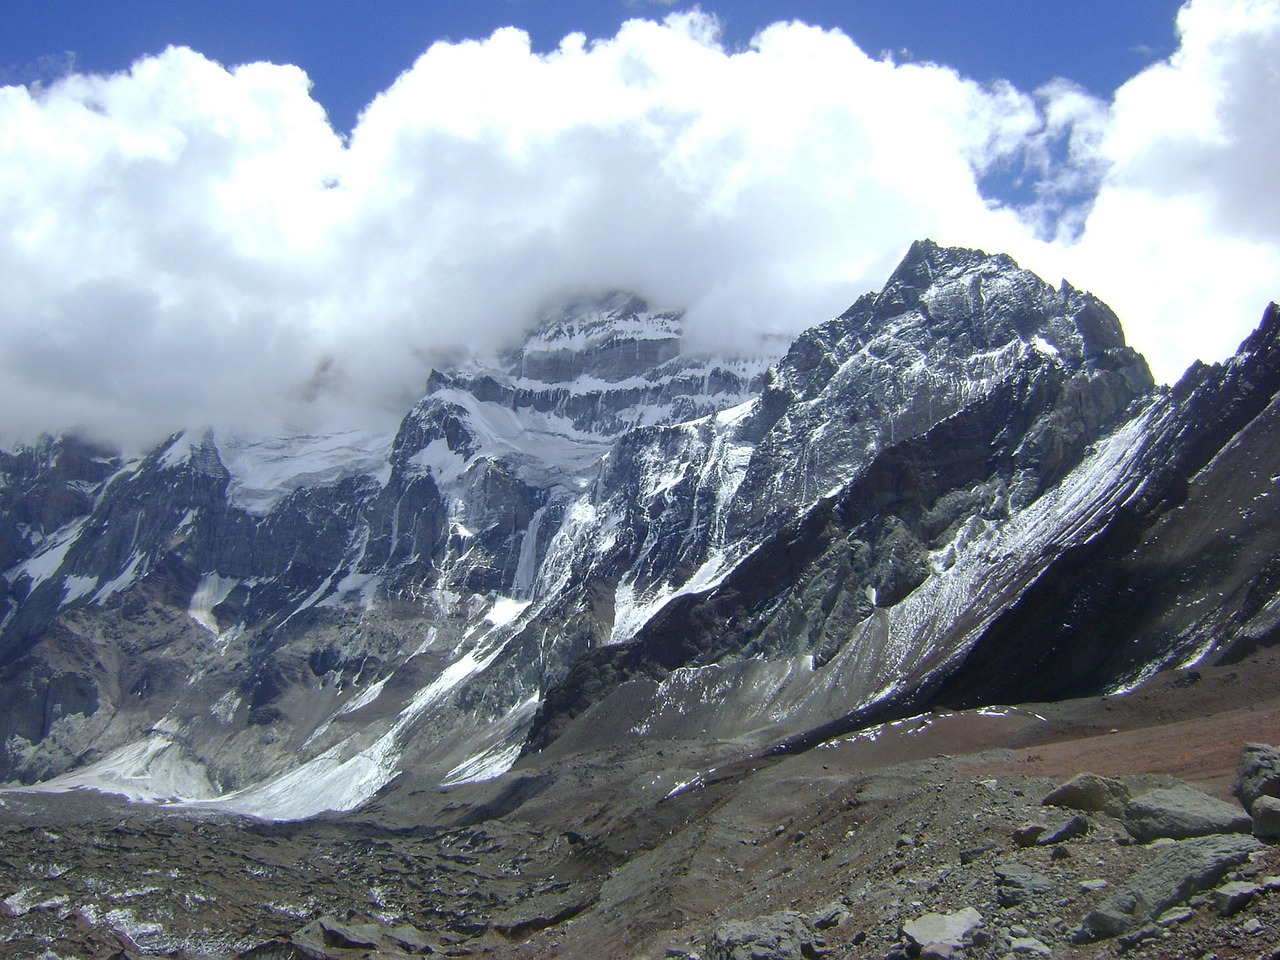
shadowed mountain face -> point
(964, 490)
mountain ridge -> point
(697, 546)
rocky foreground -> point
(946, 835)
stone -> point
(937, 951)
(1182, 812)
(1018, 884)
(1029, 947)
(832, 915)
(1252, 926)
(1257, 774)
(780, 936)
(1090, 792)
(1064, 830)
(949, 928)
(1266, 817)
(1174, 916)
(1093, 885)
(1027, 834)
(1231, 898)
(1141, 936)
(973, 853)
(1184, 869)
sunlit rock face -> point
(596, 533)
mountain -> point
(964, 490)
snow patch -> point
(363, 698)
(49, 560)
(484, 766)
(505, 610)
(74, 587)
(226, 706)
(264, 472)
(210, 591)
(177, 453)
(124, 580)
(1043, 346)
(155, 769)
(327, 782)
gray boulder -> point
(780, 936)
(1017, 884)
(1181, 812)
(1230, 898)
(1179, 872)
(949, 929)
(1090, 792)
(1064, 830)
(1257, 774)
(1266, 817)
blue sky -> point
(354, 50)
(278, 216)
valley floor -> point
(646, 849)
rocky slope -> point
(937, 498)
(648, 852)
(610, 649)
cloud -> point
(187, 244)
(1183, 236)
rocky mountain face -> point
(964, 490)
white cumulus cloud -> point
(189, 244)
(1183, 238)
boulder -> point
(1181, 812)
(951, 929)
(1029, 947)
(1090, 792)
(1180, 871)
(1230, 898)
(1027, 834)
(1257, 774)
(832, 915)
(1266, 817)
(780, 936)
(1063, 830)
(1018, 884)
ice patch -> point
(527, 565)
(502, 753)
(544, 448)
(210, 591)
(264, 472)
(680, 788)
(735, 415)
(633, 607)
